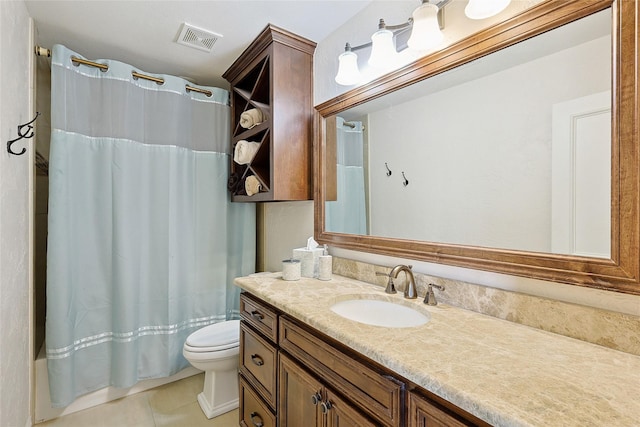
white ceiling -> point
(143, 33)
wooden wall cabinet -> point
(292, 375)
(274, 75)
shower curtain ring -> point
(388, 170)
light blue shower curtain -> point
(144, 242)
(348, 213)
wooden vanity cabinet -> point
(292, 375)
(376, 393)
(274, 75)
(307, 401)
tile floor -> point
(172, 405)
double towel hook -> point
(405, 181)
(24, 131)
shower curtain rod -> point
(41, 51)
(351, 125)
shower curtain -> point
(143, 241)
(348, 213)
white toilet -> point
(214, 349)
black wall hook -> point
(388, 170)
(24, 131)
(405, 181)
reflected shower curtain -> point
(144, 243)
(348, 213)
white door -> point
(581, 176)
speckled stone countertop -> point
(504, 373)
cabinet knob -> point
(256, 420)
(325, 406)
(256, 315)
(257, 360)
(316, 398)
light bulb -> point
(481, 9)
(383, 49)
(425, 33)
(348, 72)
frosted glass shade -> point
(383, 49)
(425, 33)
(481, 9)
(348, 72)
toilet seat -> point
(217, 337)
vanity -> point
(303, 364)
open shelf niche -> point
(274, 75)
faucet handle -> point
(390, 289)
(430, 297)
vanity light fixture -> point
(481, 9)
(426, 23)
(348, 72)
(383, 47)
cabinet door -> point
(423, 413)
(340, 413)
(299, 395)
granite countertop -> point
(504, 373)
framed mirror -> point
(514, 150)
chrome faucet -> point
(410, 291)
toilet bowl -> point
(214, 350)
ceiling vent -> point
(197, 38)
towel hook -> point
(388, 170)
(405, 181)
(24, 131)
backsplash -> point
(618, 331)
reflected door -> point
(581, 180)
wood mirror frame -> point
(620, 273)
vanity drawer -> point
(378, 394)
(260, 316)
(252, 411)
(258, 360)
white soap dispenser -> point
(325, 265)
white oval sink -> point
(380, 313)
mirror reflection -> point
(512, 151)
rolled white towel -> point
(250, 118)
(252, 185)
(244, 151)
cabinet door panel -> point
(379, 394)
(296, 389)
(423, 413)
(342, 414)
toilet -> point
(214, 350)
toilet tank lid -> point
(218, 334)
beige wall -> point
(282, 227)
(15, 171)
